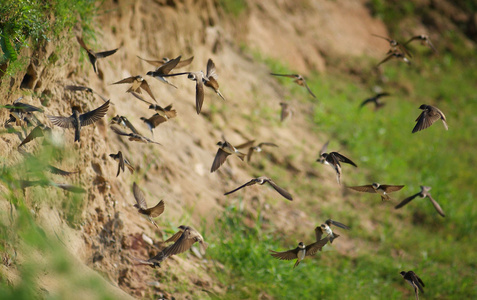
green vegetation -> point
(233, 7)
(30, 23)
(415, 237)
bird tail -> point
(241, 155)
(297, 263)
(385, 198)
(77, 135)
(220, 94)
(445, 124)
(333, 237)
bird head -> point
(423, 106)
(376, 185)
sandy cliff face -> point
(107, 233)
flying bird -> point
(122, 161)
(158, 118)
(136, 137)
(428, 116)
(166, 112)
(395, 46)
(286, 112)
(414, 281)
(123, 121)
(376, 99)
(161, 62)
(424, 40)
(300, 80)
(77, 121)
(165, 69)
(326, 228)
(225, 149)
(252, 148)
(184, 239)
(261, 181)
(20, 111)
(381, 189)
(138, 83)
(38, 131)
(333, 159)
(210, 80)
(423, 194)
(395, 54)
(300, 252)
(79, 88)
(141, 205)
(94, 56)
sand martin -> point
(225, 149)
(165, 69)
(138, 83)
(184, 240)
(300, 80)
(423, 194)
(333, 159)
(300, 252)
(122, 161)
(395, 46)
(136, 137)
(428, 116)
(94, 56)
(252, 148)
(77, 121)
(414, 281)
(286, 112)
(381, 189)
(395, 54)
(326, 228)
(141, 205)
(210, 80)
(424, 40)
(160, 117)
(376, 100)
(123, 121)
(159, 63)
(79, 88)
(261, 181)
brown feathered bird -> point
(141, 205)
(381, 189)
(77, 121)
(423, 194)
(261, 181)
(94, 56)
(428, 116)
(300, 252)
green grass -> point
(31, 23)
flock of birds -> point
(23, 113)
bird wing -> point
(313, 248)
(121, 163)
(65, 122)
(106, 53)
(363, 188)
(308, 88)
(199, 94)
(157, 210)
(175, 237)
(391, 188)
(126, 80)
(429, 43)
(249, 154)
(145, 86)
(266, 144)
(406, 201)
(156, 63)
(219, 159)
(338, 224)
(68, 187)
(285, 255)
(285, 112)
(211, 71)
(343, 158)
(423, 121)
(391, 55)
(436, 206)
(36, 132)
(57, 171)
(281, 191)
(82, 44)
(119, 131)
(372, 99)
(129, 125)
(140, 98)
(285, 75)
(78, 88)
(416, 280)
(168, 66)
(170, 113)
(157, 119)
(318, 233)
(94, 115)
(251, 182)
(323, 149)
(185, 62)
(183, 244)
(139, 196)
(379, 95)
(245, 145)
